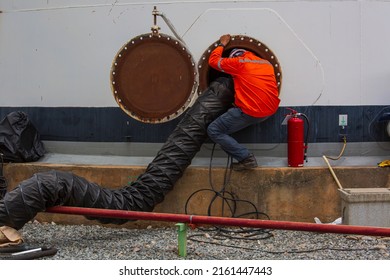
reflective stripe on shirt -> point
(262, 61)
(219, 64)
(254, 61)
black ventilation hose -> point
(54, 188)
(3, 181)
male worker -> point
(256, 98)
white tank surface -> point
(332, 56)
(59, 53)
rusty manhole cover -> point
(153, 78)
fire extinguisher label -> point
(286, 118)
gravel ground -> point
(104, 243)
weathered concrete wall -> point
(291, 194)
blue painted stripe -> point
(111, 124)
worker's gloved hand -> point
(225, 39)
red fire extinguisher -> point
(296, 145)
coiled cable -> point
(230, 201)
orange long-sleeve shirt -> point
(256, 92)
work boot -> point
(246, 164)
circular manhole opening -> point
(207, 74)
(153, 78)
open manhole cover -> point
(208, 74)
(153, 78)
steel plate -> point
(153, 78)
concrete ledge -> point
(291, 194)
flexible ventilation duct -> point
(53, 188)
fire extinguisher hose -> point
(307, 134)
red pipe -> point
(195, 219)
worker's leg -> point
(232, 121)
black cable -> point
(29, 253)
(230, 201)
(292, 251)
